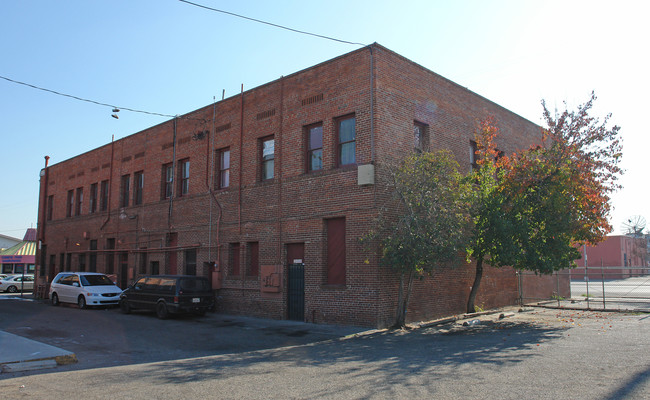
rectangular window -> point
(190, 262)
(420, 136)
(253, 259)
(92, 199)
(82, 262)
(335, 251)
(155, 267)
(143, 262)
(61, 262)
(68, 262)
(125, 188)
(50, 207)
(223, 172)
(70, 204)
(268, 157)
(315, 147)
(103, 196)
(138, 187)
(184, 172)
(79, 202)
(234, 259)
(473, 158)
(167, 181)
(347, 136)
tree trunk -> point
(403, 301)
(477, 283)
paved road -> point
(539, 354)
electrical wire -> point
(271, 24)
(97, 102)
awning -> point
(22, 253)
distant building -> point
(267, 193)
(7, 241)
(617, 257)
(21, 257)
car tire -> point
(55, 299)
(161, 310)
(125, 306)
(81, 302)
(12, 289)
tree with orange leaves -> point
(532, 210)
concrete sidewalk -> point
(20, 354)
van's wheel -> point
(12, 289)
(161, 310)
(125, 307)
(81, 302)
(55, 299)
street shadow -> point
(396, 356)
(628, 388)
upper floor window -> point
(347, 135)
(125, 189)
(103, 196)
(315, 147)
(138, 187)
(420, 137)
(184, 169)
(79, 202)
(223, 172)
(70, 204)
(268, 158)
(167, 180)
(50, 207)
(473, 157)
(92, 198)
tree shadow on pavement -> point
(386, 357)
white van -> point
(85, 289)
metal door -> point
(296, 292)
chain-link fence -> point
(604, 288)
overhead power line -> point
(270, 23)
(97, 102)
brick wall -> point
(386, 94)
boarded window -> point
(336, 251)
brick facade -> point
(384, 93)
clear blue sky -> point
(168, 57)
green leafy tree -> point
(546, 201)
(424, 225)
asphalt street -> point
(535, 354)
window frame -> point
(104, 191)
(50, 208)
(69, 207)
(79, 199)
(92, 198)
(125, 190)
(310, 150)
(221, 169)
(269, 161)
(138, 187)
(421, 145)
(167, 181)
(184, 175)
(473, 158)
(340, 144)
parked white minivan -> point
(85, 289)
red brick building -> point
(617, 257)
(286, 173)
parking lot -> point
(534, 353)
(105, 337)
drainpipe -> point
(110, 184)
(241, 144)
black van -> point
(168, 294)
